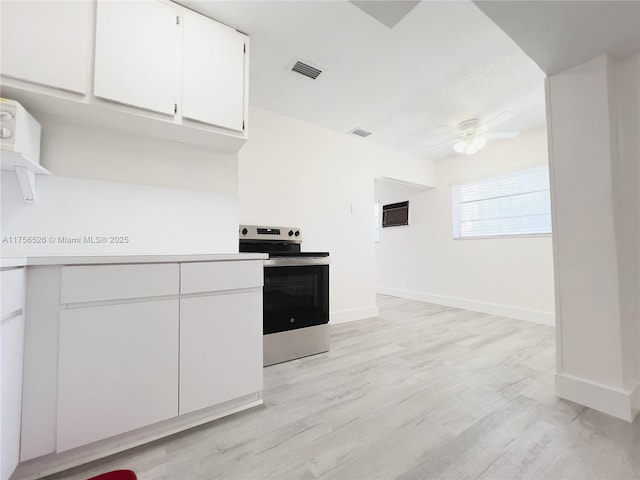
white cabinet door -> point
(11, 353)
(47, 42)
(136, 60)
(118, 370)
(220, 348)
(213, 72)
(12, 302)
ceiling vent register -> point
(306, 70)
(360, 132)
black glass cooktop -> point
(297, 254)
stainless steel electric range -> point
(296, 293)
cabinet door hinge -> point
(244, 45)
(177, 20)
(242, 124)
(175, 108)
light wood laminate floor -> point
(421, 392)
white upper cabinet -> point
(213, 72)
(136, 54)
(47, 42)
(151, 67)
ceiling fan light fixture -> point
(460, 146)
(470, 145)
(479, 141)
(471, 136)
(470, 149)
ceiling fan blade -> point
(442, 144)
(497, 135)
(503, 117)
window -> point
(513, 204)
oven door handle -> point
(296, 261)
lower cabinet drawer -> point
(116, 282)
(200, 277)
(118, 367)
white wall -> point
(167, 197)
(593, 128)
(155, 220)
(505, 276)
(294, 173)
(70, 150)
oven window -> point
(295, 297)
(298, 291)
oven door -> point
(296, 294)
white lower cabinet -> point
(11, 346)
(118, 366)
(12, 285)
(117, 354)
(220, 348)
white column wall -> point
(624, 88)
(593, 232)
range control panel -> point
(255, 232)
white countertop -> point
(8, 262)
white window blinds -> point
(513, 204)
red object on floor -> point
(116, 475)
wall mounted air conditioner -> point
(395, 214)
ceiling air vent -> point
(361, 133)
(306, 70)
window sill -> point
(490, 237)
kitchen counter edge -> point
(39, 260)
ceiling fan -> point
(471, 135)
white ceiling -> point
(562, 34)
(442, 63)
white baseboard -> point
(617, 403)
(353, 314)
(536, 316)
